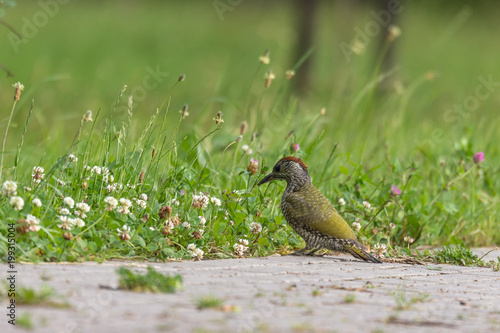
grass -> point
(208, 302)
(152, 281)
(25, 321)
(45, 296)
(155, 160)
(403, 302)
(350, 298)
(454, 255)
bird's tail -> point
(359, 251)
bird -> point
(311, 214)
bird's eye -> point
(277, 168)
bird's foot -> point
(302, 252)
(299, 252)
(312, 253)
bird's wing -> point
(314, 210)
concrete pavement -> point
(273, 294)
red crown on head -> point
(296, 160)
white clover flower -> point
(342, 202)
(379, 249)
(408, 239)
(215, 201)
(118, 186)
(79, 222)
(366, 204)
(175, 202)
(96, 169)
(110, 188)
(195, 252)
(33, 223)
(104, 171)
(255, 228)
(81, 209)
(64, 211)
(27, 188)
(108, 178)
(246, 149)
(125, 202)
(203, 220)
(37, 174)
(151, 228)
(66, 222)
(60, 182)
(69, 202)
(200, 201)
(392, 225)
(356, 226)
(186, 225)
(169, 225)
(72, 158)
(240, 247)
(142, 203)
(198, 253)
(144, 197)
(9, 188)
(123, 210)
(17, 202)
(111, 203)
(37, 202)
(87, 168)
(123, 233)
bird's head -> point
(291, 169)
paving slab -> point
(272, 294)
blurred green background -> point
(85, 52)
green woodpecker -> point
(311, 214)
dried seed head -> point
(88, 116)
(197, 235)
(322, 111)
(243, 128)
(68, 236)
(175, 220)
(19, 87)
(269, 77)
(22, 226)
(393, 33)
(145, 218)
(184, 111)
(218, 119)
(153, 153)
(289, 74)
(165, 212)
(141, 177)
(182, 77)
(265, 59)
(166, 231)
(239, 138)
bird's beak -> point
(266, 179)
